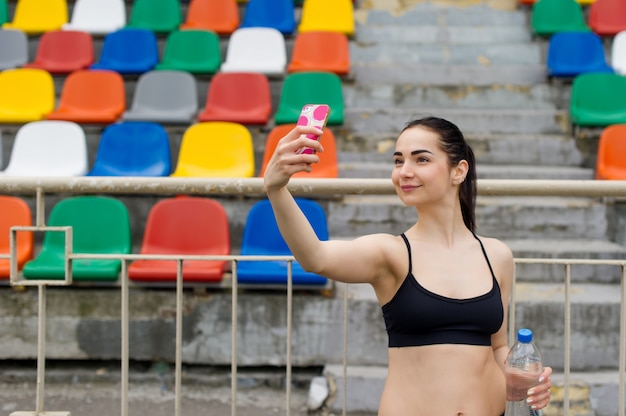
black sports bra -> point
(416, 316)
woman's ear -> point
(459, 172)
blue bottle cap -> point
(525, 335)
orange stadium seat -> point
(240, 97)
(611, 158)
(220, 16)
(320, 51)
(63, 51)
(91, 96)
(15, 212)
(184, 225)
(326, 168)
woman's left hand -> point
(539, 396)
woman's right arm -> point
(362, 260)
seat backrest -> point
(277, 14)
(187, 225)
(573, 53)
(63, 51)
(320, 51)
(129, 51)
(607, 17)
(261, 235)
(241, 97)
(38, 16)
(302, 88)
(327, 15)
(160, 16)
(256, 49)
(48, 148)
(220, 16)
(552, 16)
(27, 95)
(4, 11)
(133, 148)
(215, 149)
(611, 160)
(100, 224)
(328, 166)
(193, 50)
(618, 53)
(97, 17)
(164, 96)
(15, 212)
(597, 99)
(96, 96)
(13, 48)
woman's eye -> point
(397, 162)
(422, 159)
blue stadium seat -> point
(574, 53)
(129, 51)
(277, 14)
(133, 148)
(262, 237)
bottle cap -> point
(525, 335)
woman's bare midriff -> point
(443, 380)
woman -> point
(443, 291)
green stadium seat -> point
(192, 50)
(160, 16)
(4, 12)
(100, 225)
(597, 99)
(302, 88)
(552, 16)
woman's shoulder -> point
(497, 249)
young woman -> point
(443, 290)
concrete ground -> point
(95, 391)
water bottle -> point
(523, 368)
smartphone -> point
(313, 115)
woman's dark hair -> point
(457, 149)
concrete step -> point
(383, 170)
(442, 33)
(501, 217)
(377, 119)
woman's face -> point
(421, 171)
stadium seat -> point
(13, 49)
(611, 158)
(574, 53)
(552, 16)
(327, 15)
(277, 14)
(240, 97)
(91, 96)
(4, 11)
(219, 16)
(618, 53)
(133, 148)
(256, 49)
(15, 212)
(607, 17)
(581, 2)
(302, 88)
(100, 225)
(215, 149)
(192, 50)
(48, 148)
(164, 97)
(129, 51)
(27, 95)
(38, 16)
(597, 99)
(63, 51)
(184, 225)
(97, 17)
(262, 237)
(159, 16)
(327, 167)
(320, 51)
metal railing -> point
(212, 187)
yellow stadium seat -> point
(327, 15)
(38, 16)
(216, 149)
(27, 95)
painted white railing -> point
(254, 186)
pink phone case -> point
(313, 115)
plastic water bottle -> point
(523, 368)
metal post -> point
(179, 337)
(41, 349)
